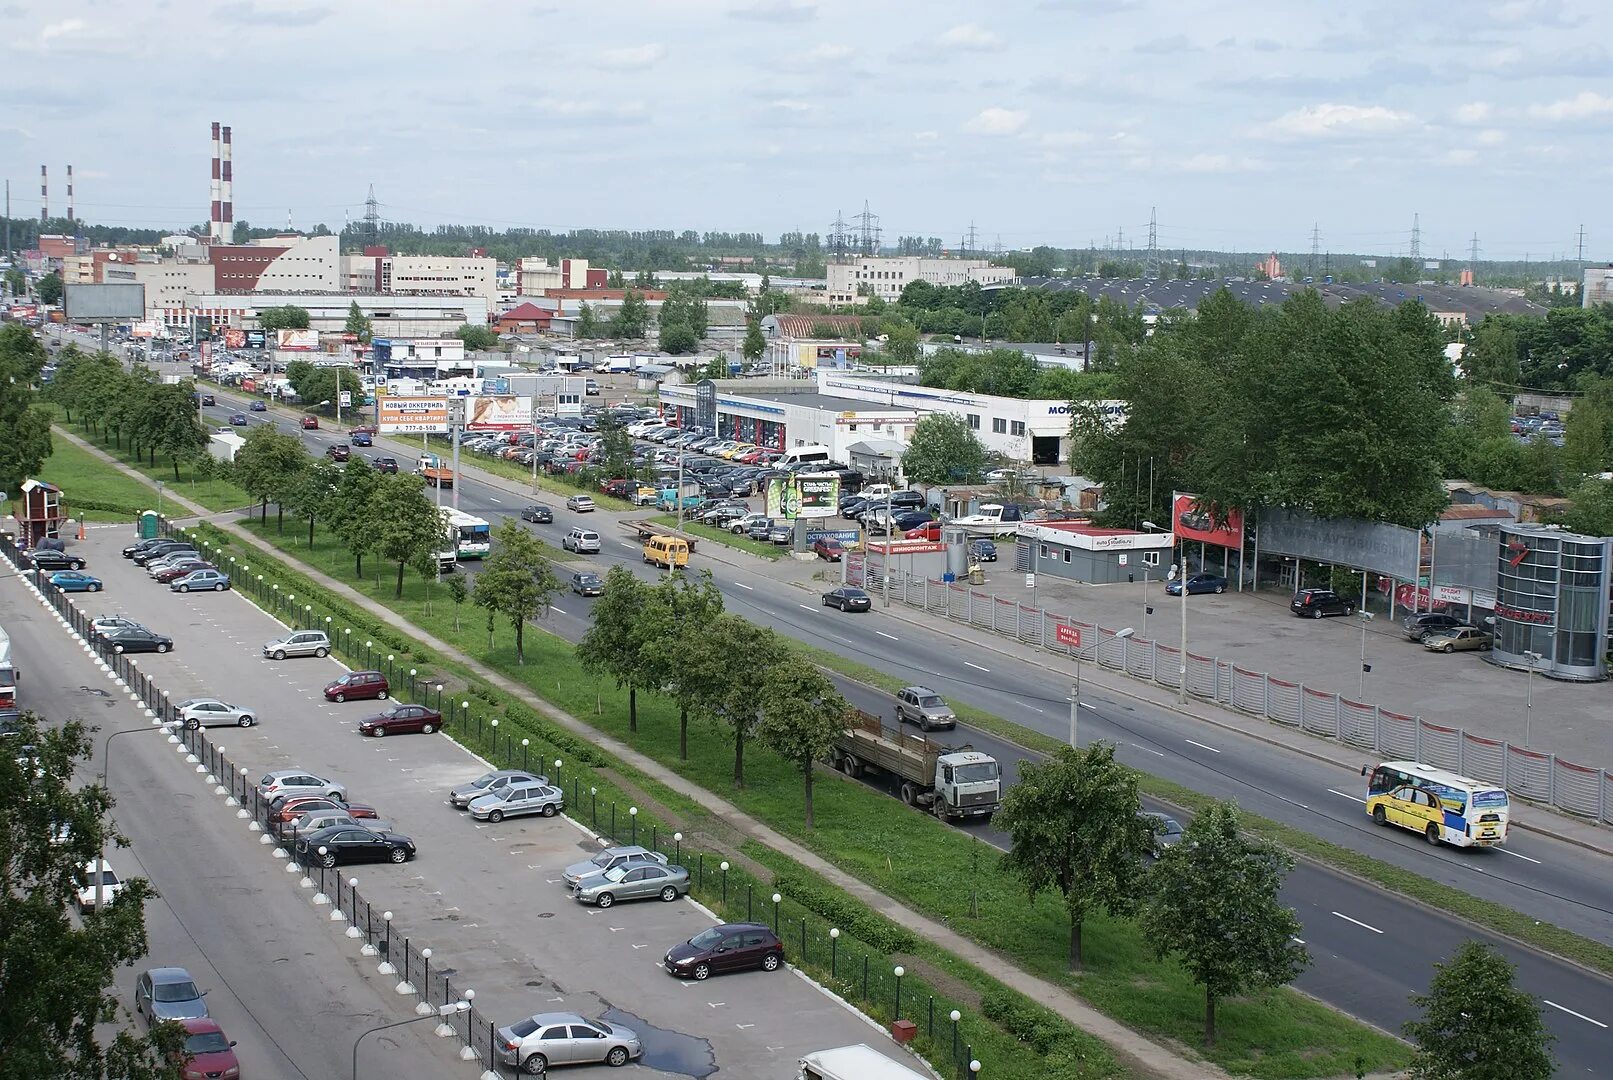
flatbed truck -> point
(952, 782)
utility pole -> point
(1416, 238)
(1316, 246)
(971, 240)
(1473, 258)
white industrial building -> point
(421, 274)
(886, 276)
(390, 316)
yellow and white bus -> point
(1443, 806)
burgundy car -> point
(179, 570)
(402, 719)
(728, 947)
(206, 1051)
(358, 686)
(827, 547)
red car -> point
(179, 570)
(310, 423)
(402, 719)
(206, 1051)
(827, 547)
(358, 686)
(295, 807)
(364, 429)
(930, 532)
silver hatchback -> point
(627, 855)
(533, 1044)
(489, 783)
(632, 883)
(298, 643)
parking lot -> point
(485, 897)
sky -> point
(1241, 125)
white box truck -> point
(860, 1062)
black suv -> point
(1419, 627)
(50, 559)
(1316, 603)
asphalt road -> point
(279, 981)
(486, 898)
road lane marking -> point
(977, 667)
(1357, 922)
(499, 501)
(882, 634)
(1515, 855)
(560, 610)
(742, 585)
(1571, 1012)
(1352, 798)
(1150, 749)
(1201, 746)
(1297, 941)
(803, 607)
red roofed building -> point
(528, 318)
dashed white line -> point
(1297, 941)
(1571, 1012)
(742, 585)
(882, 634)
(1201, 746)
(977, 667)
(1515, 855)
(1357, 922)
(1352, 798)
(562, 611)
(803, 607)
(493, 500)
(1149, 749)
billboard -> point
(254, 339)
(498, 412)
(780, 495)
(1191, 520)
(234, 339)
(146, 329)
(297, 340)
(1393, 550)
(817, 496)
(412, 415)
(116, 302)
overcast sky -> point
(1042, 121)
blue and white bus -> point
(473, 537)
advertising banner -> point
(254, 339)
(297, 340)
(780, 492)
(817, 496)
(412, 415)
(499, 412)
(1193, 521)
(108, 302)
(144, 330)
(1365, 545)
(845, 536)
(234, 339)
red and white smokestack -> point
(227, 192)
(213, 230)
(44, 196)
(69, 193)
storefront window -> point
(1552, 600)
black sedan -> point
(50, 559)
(348, 844)
(127, 639)
(848, 599)
(983, 550)
(538, 514)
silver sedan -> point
(211, 712)
(628, 882)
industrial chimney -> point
(214, 231)
(227, 193)
(44, 196)
(69, 193)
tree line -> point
(24, 427)
(134, 406)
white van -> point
(801, 455)
(860, 1062)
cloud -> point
(1474, 112)
(777, 11)
(632, 56)
(65, 28)
(926, 136)
(1324, 121)
(1582, 106)
(970, 36)
(827, 53)
(1491, 137)
(252, 13)
(997, 121)
(791, 105)
(1219, 163)
(1171, 43)
(588, 111)
(1534, 12)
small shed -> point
(40, 512)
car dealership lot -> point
(486, 898)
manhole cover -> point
(545, 914)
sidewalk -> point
(1132, 1048)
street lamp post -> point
(1529, 697)
(440, 1012)
(1178, 573)
(106, 782)
(1075, 691)
(1366, 618)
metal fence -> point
(849, 967)
(1581, 790)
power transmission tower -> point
(971, 240)
(1416, 238)
(868, 230)
(1151, 263)
(1316, 246)
(1473, 258)
(1581, 259)
(1120, 240)
(372, 216)
(839, 239)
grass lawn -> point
(212, 493)
(933, 868)
(555, 485)
(93, 489)
(723, 536)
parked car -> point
(1198, 583)
(286, 814)
(74, 581)
(129, 639)
(744, 525)
(104, 624)
(538, 514)
(533, 1044)
(168, 993)
(582, 541)
(726, 947)
(922, 706)
(1460, 639)
(238, 419)
(360, 438)
(308, 820)
(185, 557)
(147, 544)
(339, 452)
(488, 783)
(211, 712)
(402, 719)
(626, 855)
(1317, 603)
(161, 549)
(290, 782)
(1167, 832)
(50, 559)
(206, 1051)
(96, 877)
(384, 464)
(310, 423)
(827, 547)
(632, 883)
(581, 504)
(982, 551)
(1418, 627)
(781, 533)
(848, 598)
(587, 583)
(258, 406)
(358, 686)
(168, 573)
(204, 579)
(345, 844)
(298, 643)
(515, 799)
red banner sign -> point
(1067, 635)
(1513, 614)
(1192, 520)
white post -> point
(1181, 686)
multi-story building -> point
(886, 276)
(92, 267)
(278, 264)
(167, 284)
(390, 316)
(1598, 288)
(537, 276)
(377, 271)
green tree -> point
(314, 492)
(516, 580)
(588, 324)
(902, 346)
(315, 384)
(359, 324)
(16, 282)
(615, 642)
(24, 428)
(347, 515)
(1477, 1025)
(632, 319)
(1074, 829)
(716, 367)
(679, 606)
(727, 660)
(1588, 432)
(1491, 358)
(477, 338)
(286, 317)
(49, 288)
(943, 450)
(171, 423)
(55, 976)
(404, 522)
(1213, 904)
(755, 344)
(802, 714)
(677, 339)
(457, 593)
(267, 464)
(616, 451)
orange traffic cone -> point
(81, 528)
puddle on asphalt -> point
(669, 1051)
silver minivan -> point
(298, 643)
(582, 541)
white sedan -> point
(211, 712)
(92, 880)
